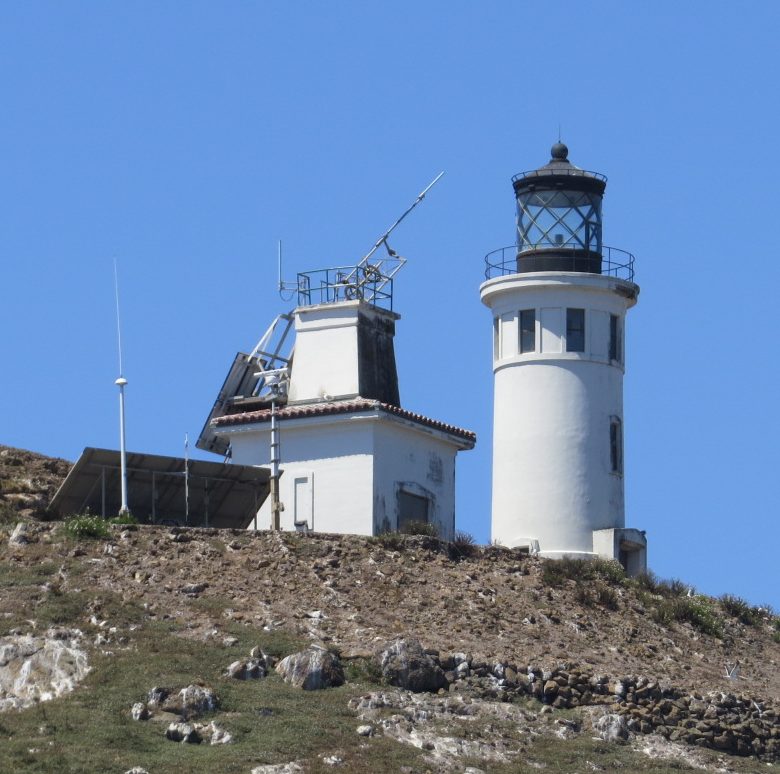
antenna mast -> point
(121, 382)
(367, 280)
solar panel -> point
(241, 382)
(216, 495)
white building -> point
(559, 300)
(353, 461)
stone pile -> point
(734, 724)
(183, 707)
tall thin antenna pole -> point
(121, 382)
(186, 478)
(281, 282)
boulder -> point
(156, 697)
(19, 536)
(247, 669)
(312, 669)
(139, 711)
(405, 664)
(278, 768)
(215, 734)
(612, 728)
(194, 700)
(183, 732)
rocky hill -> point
(28, 481)
(523, 663)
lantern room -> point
(559, 216)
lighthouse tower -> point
(559, 299)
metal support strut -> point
(275, 504)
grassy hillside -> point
(169, 607)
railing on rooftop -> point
(345, 283)
(565, 171)
(614, 262)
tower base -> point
(625, 545)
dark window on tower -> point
(616, 445)
(575, 330)
(615, 345)
(527, 331)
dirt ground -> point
(356, 593)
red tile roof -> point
(341, 407)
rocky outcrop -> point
(40, 668)
(196, 733)
(405, 664)
(312, 669)
(630, 705)
(252, 668)
(188, 703)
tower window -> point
(615, 344)
(616, 445)
(527, 331)
(575, 330)
(496, 353)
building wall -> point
(327, 476)
(343, 473)
(553, 477)
(343, 350)
(410, 459)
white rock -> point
(40, 668)
(19, 536)
(365, 730)
(611, 727)
(182, 732)
(139, 711)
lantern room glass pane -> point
(559, 219)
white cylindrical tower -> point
(559, 300)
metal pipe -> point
(103, 491)
(186, 480)
(275, 505)
(121, 382)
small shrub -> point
(363, 670)
(676, 588)
(86, 526)
(609, 569)
(420, 528)
(556, 571)
(607, 597)
(647, 581)
(124, 517)
(696, 611)
(7, 514)
(652, 584)
(582, 595)
(741, 610)
(462, 545)
(392, 541)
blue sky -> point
(187, 138)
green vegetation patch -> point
(555, 572)
(741, 610)
(87, 526)
(696, 610)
